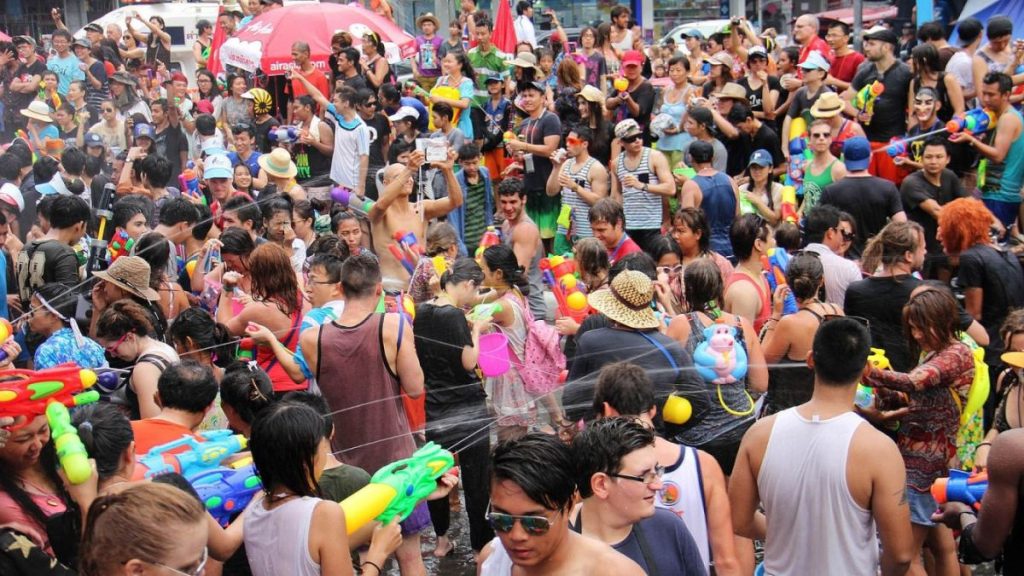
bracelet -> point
(989, 444)
(365, 562)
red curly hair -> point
(963, 223)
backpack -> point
(543, 360)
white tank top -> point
(277, 541)
(683, 494)
(803, 488)
(498, 563)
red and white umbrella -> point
(266, 42)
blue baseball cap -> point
(217, 166)
(762, 158)
(144, 131)
(857, 153)
(93, 139)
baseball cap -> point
(54, 186)
(93, 139)
(632, 58)
(856, 153)
(144, 131)
(94, 27)
(492, 79)
(721, 59)
(10, 194)
(405, 112)
(692, 33)
(757, 52)
(883, 34)
(761, 157)
(212, 146)
(627, 128)
(217, 166)
(815, 61)
(19, 40)
(83, 42)
(538, 86)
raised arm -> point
(438, 208)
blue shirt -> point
(252, 163)
(67, 70)
(62, 347)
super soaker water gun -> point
(559, 275)
(789, 205)
(898, 147)
(189, 181)
(120, 245)
(491, 237)
(199, 457)
(396, 488)
(347, 198)
(246, 350)
(226, 491)
(406, 250)
(284, 134)
(485, 311)
(865, 394)
(972, 121)
(799, 155)
(775, 264)
(865, 99)
(961, 487)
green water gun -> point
(71, 452)
(485, 311)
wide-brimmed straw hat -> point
(627, 301)
(827, 105)
(278, 163)
(38, 110)
(130, 273)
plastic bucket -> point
(493, 359)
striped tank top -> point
(580, 208)
(643, 209)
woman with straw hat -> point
(281, 171)
(40, 124)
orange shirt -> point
(316, 78)
(152, 432)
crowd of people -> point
(757, 234)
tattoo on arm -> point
(903, 497)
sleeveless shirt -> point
(719, 204)
(580, 208)
(642, 209)
(683, 494)
(277, 541)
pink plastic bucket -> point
(493, 359)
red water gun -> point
(560, 275)
(406, 250)
(120, 245)
(489, 238)
(28, 392)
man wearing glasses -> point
(532, 490)
(824, 236)
(618, 477)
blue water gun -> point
(961, 487)
(201, 455)
(226, 491)
(775, 265)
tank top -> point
(674, 142)
(355, 378)
(277, 541)
(267, 360)
(155, 50)
(1003, 179)
(642, 209)
(719, 205)
(791, 382)
(309, 161)
(683, 494)
(815, 183)
(498, 563)
(580, 208)
(802, 482)
(627, 41)
(762, 293)
(534, 277)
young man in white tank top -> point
(693, 484)
(580, 179)
(826, 478)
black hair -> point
(236, 241)
(696, 221)
(10, 167)
(665, 245)
(937, 141)
(154, 249)
(541, 466)
(841, 25)
(10, 484)
(608, 210)
(73, 160)
(461, 270)
(390, 93)
(787, 236)
(805, 275)
(793, 52)
(399, 147)
(744, 231)
(45, 205)
(307, 101)
(625, 387)
(840, 349)
(702, 283)
(156, 169)
(177, 210)
(702, 152)
(329, 245)
(600, 447)
(502, 258)
(443, 110)
(206, 333)
(511, 187)
(244, 127)
(998, 26)
(247, 389)
(206, 124)
(60, 297)
(285, 440)
(583, 133)
(203, 25)
(67, 211)
(274, 204)
(127, 208)
(304, 208)
(638, 261)
(331, 262)
(360, 275)
(187, 385)
(106, 432)
(1003, 80)
(927, 55)
(45, 168)
(469, 151)
(316, 402)
(740, 112)
(94, 165)
(201, 229)
(931, 31)
(818, 221)
(246, 209)
(522, 6)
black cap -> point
(969, 30)
(94, 27)
(538, 86)
(882, 34)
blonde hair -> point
(134, 524)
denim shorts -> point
(922, 506)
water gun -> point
(961, 487)
(103, 214)
(775, 264)
(440, 265)
(898, 147)
(559, 275)
(509, 136)
(972, 121)
(246, 350)
(28, 392)
(789, 205)
(396, 488)
(865, 396)
(406, 250)
(284, 134)
(71, 452)
(199, 457)
(120, 245)
(189, 181)
(799, 155)
(491, 237)
(485, 311)
(865, 99)
(6, 332)
(347, 198)
(226, 491)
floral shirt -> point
(62, 347)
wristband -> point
(365, 562)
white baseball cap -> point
(217, 166)
(405, 112)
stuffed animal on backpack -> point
(718, 359)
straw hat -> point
(38, 110)
(592, 94)
(628, 301)
(428, 17)
(525, 60)
(827, 105)
(130, 273)
(278, 163)
(731, 90)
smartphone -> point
(644, 177)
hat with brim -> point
(720, 59)
(94, 27)
(882, 34)
(731, 90)
(592, 94)
(12, 196)
(123, 78)
(19, 40)
(130, 273)
(428, 17)
(278, 164)
(56, 185)
(83, 42)
(38, 110)
(828, 105)
(525, 60)
(217, 166)
(627, 301)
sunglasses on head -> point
(504, 523)
(858, 319)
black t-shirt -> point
(644, 96)
(998, 274)
(890, 112)
(17, 100)
(916, 189)
(262, 134)
(533, 131)
(380, 128)
(870, 200)
(170, 143)
(738, 152)
(766, 138)
(441, 334)
(96, 189)
(756, 97)
(356, 82)
(45, 261)
(802, 102)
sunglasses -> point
(848, 236)
(649, 477)
(573, 141)
(199, 570)
(821, 135)
(112, 349)
(630, 139)
(670, 269)
(503, 523)
(858, 319)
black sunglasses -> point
(630, 139)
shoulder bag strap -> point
(664, 351)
